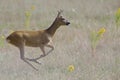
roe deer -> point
(40, 38)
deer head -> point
(61, 20)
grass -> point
(117, 18)
(95, 38)
(1, 42)
(72, 43)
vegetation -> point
(95, 38)
(72, 44)
(117, 18)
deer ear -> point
(59, 13)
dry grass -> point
(72, 47)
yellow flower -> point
(27, 14)
(33, 7)
(71, 68)
(118, 12)
(101, 31)
(117, 17)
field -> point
(72, 43)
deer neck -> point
(52, 29)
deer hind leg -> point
(21, 48)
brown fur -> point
(30, 38)
(39, 38)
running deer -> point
(40, 38)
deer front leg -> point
(50, 45)
(43, 55)
(43, 51)
(21, 48)
(35, 59)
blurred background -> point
(72, 43)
